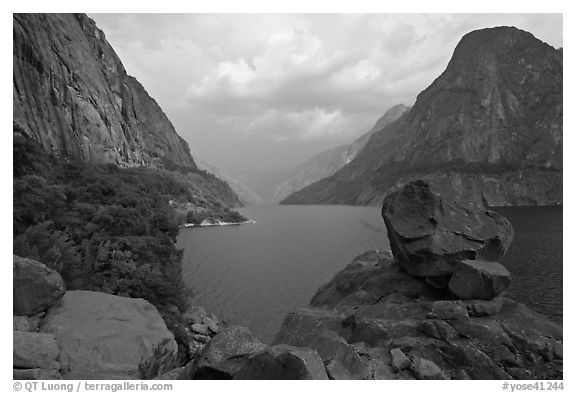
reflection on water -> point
(254, 274)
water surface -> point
(254, 274)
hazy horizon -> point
(269, 91)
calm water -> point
(254, 274)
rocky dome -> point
(490, 126)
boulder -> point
(431, 232)
(476, 279)
(399, 360)
(226, 354)
(482, 308)
(194, 315)
(426, 369)
(35, 350)
(212, 325)
(100, 333)
(341, 359)
(284, 362)
(35, 286)
(448, 309)
(199, 328)
(371, 276)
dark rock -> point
(212, 325)
(35, 350)
(302, 326)
(439, 282)
(171, 375)
(370, 277)
(343, 358)
(194, 315)
(35, 287)
(482, 308)
(479, 280)
(35, 374)
(201, 338)
(448, 310)
(200, 329)
(399, 360)
(226, 354)
(284, 362)
(336, 370)
(438, 329)
(505, 357)
(431, 233)
(425, 369)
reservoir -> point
(254, 274)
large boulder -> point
(35, 350)
(431, 231)
(226, 354)
(35, 286)
(110, 335)
(284, 362)
(479, 280)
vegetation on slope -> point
(102, 227)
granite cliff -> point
(72, 95)
(490, 126)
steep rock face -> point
(327, 163)
(490, 126)
(72, 94)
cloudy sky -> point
(268, 91)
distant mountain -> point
(247, 196)
(489, 126)
(263, 182)
(72, 95)
(328, 162)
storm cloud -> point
(271, 90)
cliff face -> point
(328, 162)
(72, 94)
(490, 125)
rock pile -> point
(83, 334)
(235, 353)
(436, 309)
(452, 243)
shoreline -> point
(215, 224)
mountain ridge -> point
(72, 94)
(329, 161)
(489, 125)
